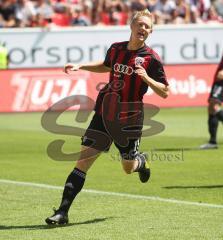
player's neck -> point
(133, 45)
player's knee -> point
(213, 106)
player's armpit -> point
(107, 69)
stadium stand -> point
(62, 13)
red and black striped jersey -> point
(220, 67)
(123, 81)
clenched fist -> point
(71, 67)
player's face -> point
(141, 28)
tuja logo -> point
(121, 68)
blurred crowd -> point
(61, 13)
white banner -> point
(176, 44)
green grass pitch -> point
(190, 175)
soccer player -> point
(215, 113)
(137, 67)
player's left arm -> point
(220, 75)
(159, 88)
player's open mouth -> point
(141, 35)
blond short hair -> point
(143, 13)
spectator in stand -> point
(88, 10)
(181, 13)
(151, 5)
(61, 16)
(138, 5)
(44, 11)
(204, 6)
(7, 13)
(114, 13)
(164, 11)
(79, 18)
(25, 13)
(218, 4)
(2, 22)
(96, 11)
(213, 16)
(194, 12)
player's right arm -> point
(97, 67)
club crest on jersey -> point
(139, 61)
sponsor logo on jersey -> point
(139, 61)
(121, 68)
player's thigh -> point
(96, 135)
(87, 157)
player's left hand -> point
(141, 72)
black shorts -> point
(100, 135)
(217, 91)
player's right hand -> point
(71, 67)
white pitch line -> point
(125, 195)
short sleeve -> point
(156, 71)
(221, 64)
(108, 61)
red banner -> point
(36, 90)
